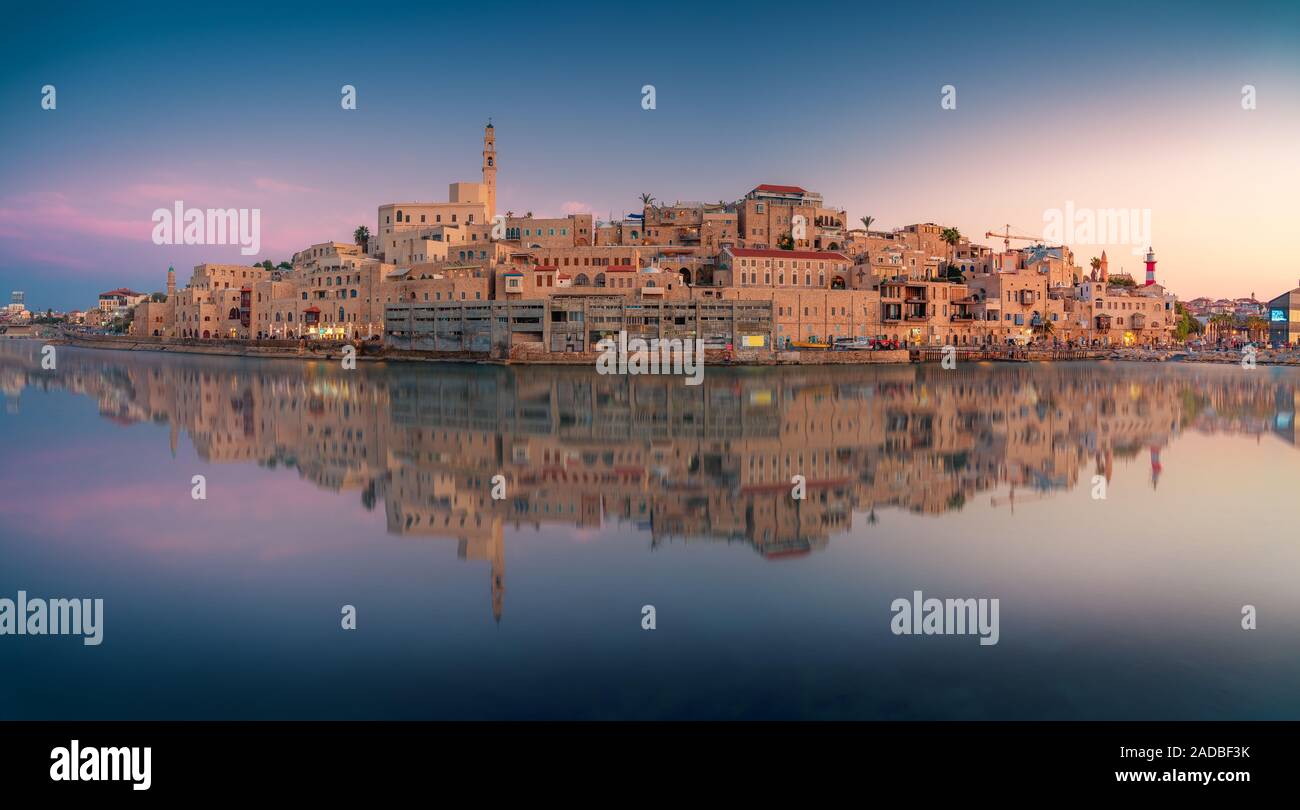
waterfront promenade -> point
(372, 351)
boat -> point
(812, 343)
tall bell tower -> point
(490, 168)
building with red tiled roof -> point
(119, 300)
(774, 216)
(783, 269)
(775, 189)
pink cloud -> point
(51, 212)
(575, 207)
(279, 186)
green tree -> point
(1256, 329)
(1186, 325)
(866, 222)
(1222, 325)
(361, 236)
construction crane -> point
(1007, 236)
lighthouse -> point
(1151, 266)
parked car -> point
(853, 344)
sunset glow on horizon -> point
(1120, 110)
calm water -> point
(371, 488)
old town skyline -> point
(1114, 125)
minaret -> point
(1151, 266)
(498, 555)
(490, 168)
(1105, 268)
(171, 283)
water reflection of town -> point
(681, 463)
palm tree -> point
(866, 222)
(510, 215)
(1222, 325)
(1256, 329)
(647, 200)
(952, 236)
(1095, 264)
(1045, 328)
(361, 236)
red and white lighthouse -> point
(1151, 266)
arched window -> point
(600, 279)
(354, 294)
(342, 316)
(399, 215)
(233, 314)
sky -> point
(238, 106)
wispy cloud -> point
(53, 213)
(280, 186)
